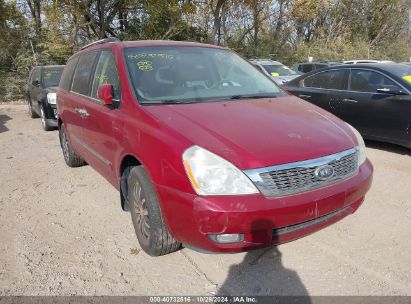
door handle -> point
(83, 112)
(349, 100)
(304, 96)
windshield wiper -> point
(251, 96)
(167, 101)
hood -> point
(283, 79)
(258, 133)
(51, 89)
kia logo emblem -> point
(324, 172)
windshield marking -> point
(145, 65)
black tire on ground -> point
(44, 124)
(32, 114)
(71, 158)
(152, 233)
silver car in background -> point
(279, 72)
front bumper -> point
(51, 115)
(263, 221)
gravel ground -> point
(62, 232)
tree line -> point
(34, 32)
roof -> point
(376, 65)
(141, 43)
(322, 62)
(368, 61)
(49, 66)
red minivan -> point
(206, 151)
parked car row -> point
(206, 151)
(374, 98)
(281, 74)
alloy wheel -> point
(141, 211)
(43, 118)
(64, 146)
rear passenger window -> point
(106, 72)
(333, 80)
(81, 79)
(65, 80)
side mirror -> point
(391, 89)
(105, 93)
(36, 83)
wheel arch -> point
(127, 162)
(59, 122)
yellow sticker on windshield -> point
(145, 65)
(274, 74)
(407, 78)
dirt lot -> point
(62, 232)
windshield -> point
(51, 77)
(399, 70)
(279, 70)
(176, 74)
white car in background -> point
(279, 72)
(357, 61)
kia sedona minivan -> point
(206, 151)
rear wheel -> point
(44, 124)
(71, 158)
(31, 112)
(151, 230)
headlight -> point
(362, 156)
(212, 175)
(51, 98)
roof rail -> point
(105, 40)
(261, 59)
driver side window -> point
(35, 78)
(106, 73)
(368, 81)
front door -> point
(323, 89)
(377, 115)
(35, 89)
(101, 135)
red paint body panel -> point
(248, 133)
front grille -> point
(301, 176)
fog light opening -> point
(227, 238)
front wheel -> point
(71, 158)
(44, 124)
(152, 233)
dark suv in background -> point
(41, 94)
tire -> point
(71, 158)
(152, 233)
(44, 124)
(32, 114)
